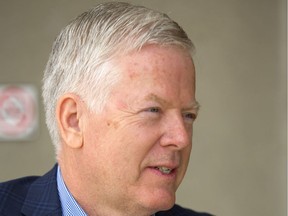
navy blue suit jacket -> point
(38, 196)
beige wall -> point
(238, 164)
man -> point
(119, 96)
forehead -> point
(155, 60)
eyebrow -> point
(153, 97)
(194, 105)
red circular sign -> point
(17, 111)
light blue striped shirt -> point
(69, 205)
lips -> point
(164, 170)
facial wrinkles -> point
(127, 116)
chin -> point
(165, 206)
(160, 201)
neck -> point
(86, 194)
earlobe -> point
(68, 113)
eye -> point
(153, 110)
(189, 117)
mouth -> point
(164, 170)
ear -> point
(68, 113)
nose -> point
(176, 134)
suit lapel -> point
(42, 197)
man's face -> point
(137, 150)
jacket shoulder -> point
(32, 195)
(13, 194)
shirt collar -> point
(68, 203)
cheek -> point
(136, 143)
(186, 157)
(186, 152)
(132, 148)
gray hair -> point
(80, 55)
